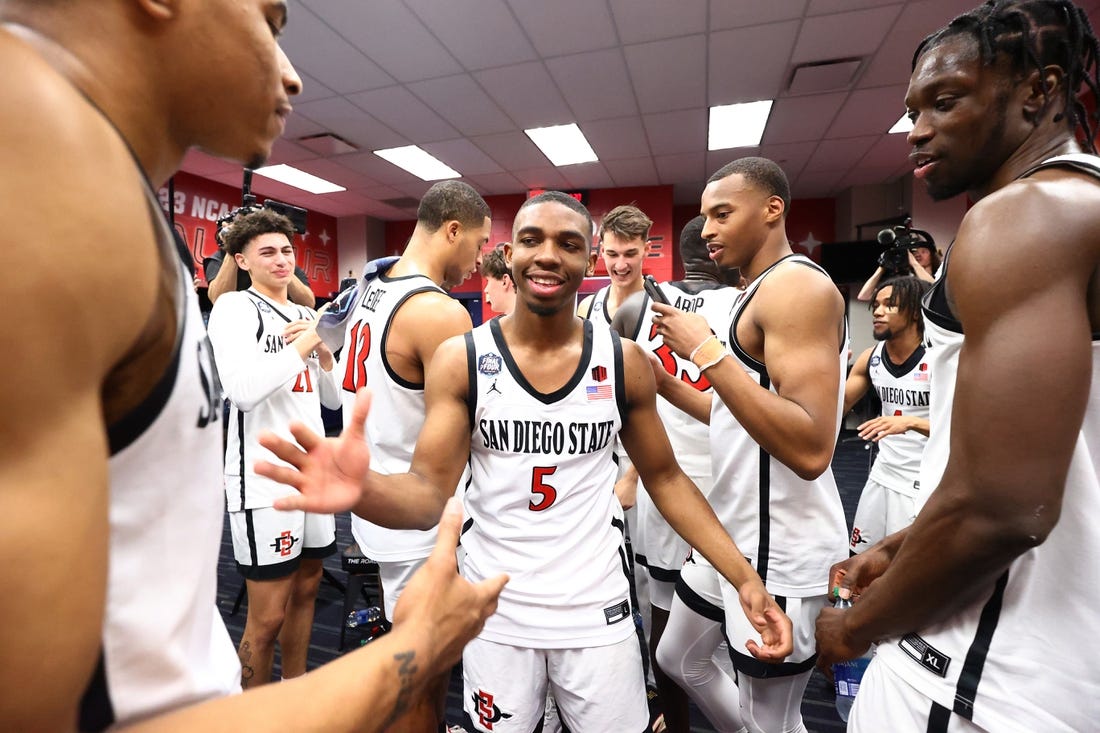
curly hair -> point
(252, 224)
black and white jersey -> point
(397, 405)
(790, 529)
(689, 437)
(268, 386)
(1022, 656)
(164, 643)
(541, 504)
(903, 390)
(597, 309)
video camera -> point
(899, 240)
(297, 216)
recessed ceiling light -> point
(419, 162)
(563, 144)
(299, 179)
(737, 125)
(903, 125)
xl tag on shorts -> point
(615, 614)
(928, 657)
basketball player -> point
(540, 446)
(398, 321)
(624, 245)
(274, 369)
(658, 548)
(773, 425)
(897, 369)
(500, 289)
(985, 607)
(112, 435)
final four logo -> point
(489, 364)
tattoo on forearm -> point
(405, 673)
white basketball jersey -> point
(164, 643)
(541, 504)
(903, 390)
(597, 310)
(690, 438)
(1022, 657)
(790, 529)
(397, 405)
(268, 387)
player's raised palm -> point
(327, 472)
(768, 619)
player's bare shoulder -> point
(82, 235)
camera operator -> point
(909, 252)
(223, 275)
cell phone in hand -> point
(654, 290)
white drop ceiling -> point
(463, 78)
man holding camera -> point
(908, 252)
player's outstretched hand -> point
(327, 472)
(438, 603)
(878, 428)
(768, 619)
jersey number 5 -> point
(358, 346)
(548, 493)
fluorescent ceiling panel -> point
(903, 125)
(418, 162)
(563, 144)
(299, 179)
(737, 125)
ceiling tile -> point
(639, 21)
(869, 112)
(464, 157)
(461, 102)
(498, 183)
(890, 151)
(340, 116)
(542, 178)
(541, 20)
(400, 110)
(676, 132)
(794, 119)
(587, 175)
(632, 172)
(741, 14)
(527, 93)
(749, 64)
(840, 154)
(683, 168)
(385, 31)
(377, 168)
(512, 150)
(479, 33)
(893, 62)
(315, 48)
(596, 85)
(830, 36)
(670, 74)
(619, 138)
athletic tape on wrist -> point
(708, 353)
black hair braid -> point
(1031, 34)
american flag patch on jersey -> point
(600, 392)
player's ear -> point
(158, 9)
(590, 270)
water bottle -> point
(370, 622)
(848, 675)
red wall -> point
(199, 203)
